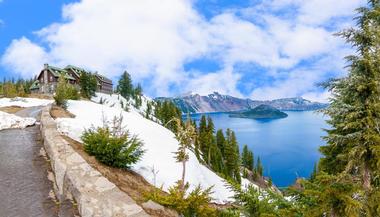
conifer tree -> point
(232, 156)
(185, 135)
(210, 141)
(220, 141)
(259, 167)
(202, 139)
(247, 158)
(353, 140)
(88, 84)
(125, 86)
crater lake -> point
(288, 148)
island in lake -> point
(260, 112)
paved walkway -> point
(24, 186)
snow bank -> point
(117, 101)
(24, 102)
(12, 121)
(158, 165)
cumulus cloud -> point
(24, 57)
(224, 81)
(153, 40)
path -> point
(24, 186)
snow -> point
(12, 121)
(23, 102)
(158, 165)
(117, 101)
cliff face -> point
(215, 102)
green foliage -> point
(186, 136)
(88, 84)
(72, 92)
(9, 90)
(259, 167)
(232, 156)
(137, 96)
(229, 213)
(331, 195)
(253, 202)
(60, 96)
(353, 142)
(64, 92)
(12, 88)
(166, 111)
(247, 158)
(125, 86)
(194, 203)
(149, 110)
(113, 149)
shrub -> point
(119, 151)
(72, 92)
(195, 203)
(64, 92)
(60, 93)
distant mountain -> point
(215, 102)
(260, 112)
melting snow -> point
(23, 102)
(12, 121)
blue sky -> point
(257, 49)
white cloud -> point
(24, 57)
(224, 81)
(154, 39)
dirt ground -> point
(128, 181)
(58, 112)
(11, 109)
(40, 96)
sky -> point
(254, 49)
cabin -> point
(104, 84)
(47, 79)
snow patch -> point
(8, 121)
(24, 102)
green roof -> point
(58, 72)
(77, 70)
(35, 85)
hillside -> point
(216, 102)
(158, 165)
(260, 112)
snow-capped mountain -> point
(216, 102)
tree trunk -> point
(366, 178)
(183, 175)
(332, 213)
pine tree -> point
(185, 136)
(137, 95)
(259, 167)
(232, 156)
(125, 86)
(247, 158)
(210, 141)
(88, 84)
(353, 140)
(220, 141)
(202, 139)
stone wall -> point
(74, 177)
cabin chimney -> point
(46, 66)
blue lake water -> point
(287, 147)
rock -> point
(156, 209)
